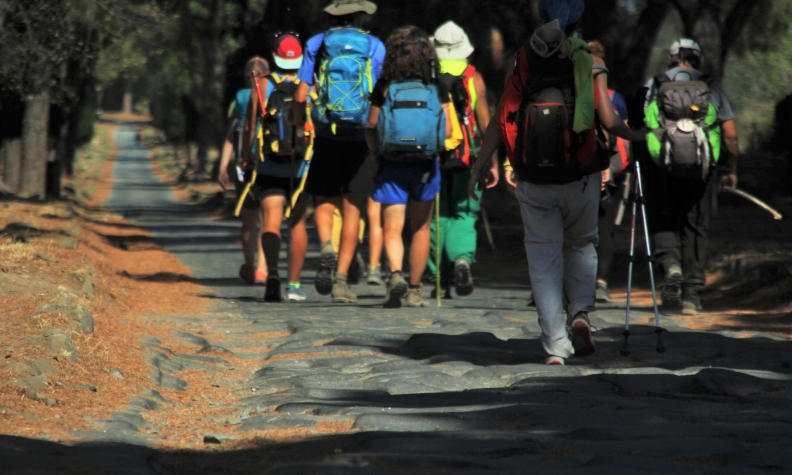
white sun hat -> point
(451, 42)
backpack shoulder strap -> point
(599, 70)
(469, 72)
(657, 81)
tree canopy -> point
(182, 59)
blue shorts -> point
(398, 183)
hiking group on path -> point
(367, 128)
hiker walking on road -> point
(558, 186)
(614, 185)
(406, 130)
(687, 142)
(280, 147)
(254, 269)
(347, 63)
(458, 211)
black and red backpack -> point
(546, 149)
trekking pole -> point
(437, 250)
(625, 351)
(640, 197)
(290, 211)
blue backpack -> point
(344, 81)
(411, 125)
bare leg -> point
(299, 243)
(249, 238)
(420, 223)
(323, 216)
(393, 224)
(261, 261)
(352, 207)
(375, 233)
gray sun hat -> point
(451, 42)
(345, 7)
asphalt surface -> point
(456, 389)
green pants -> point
(458, 215)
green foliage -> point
(173, 62)
(759, 72)
(40, 38)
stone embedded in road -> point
(84, 318)
(60, 344)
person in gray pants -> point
(561, 218)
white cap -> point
(685, 43)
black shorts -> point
(340, 169)
(267, 186)
(250, 202)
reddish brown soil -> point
(119, 305)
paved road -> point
(457, 389)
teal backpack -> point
(411, 126)
(344, 81)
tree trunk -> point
(34, 146)
(706, 29)
(127, 97)
(702, 20)
(214, 73)
(12, 158)
(631, 63)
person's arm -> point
(731, 149)
(298, 106)
(489, 147)
(225, 156)
(609, 120)
(371, 131)
(483, 119)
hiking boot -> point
(397, 288)
(324, 274)
(446, 289)
(356, 269)
(691, 301)
(374, 276)
(463, 281)
(296, 294)
(554, 361)
(415, 299)
(691, 308)
(601, 292)
(341, 291)
(671, 290)
(581, 335)
(247, 274)
(273, 292)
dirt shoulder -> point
(77, 288)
